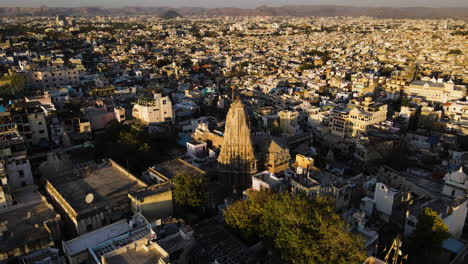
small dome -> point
(457, 176)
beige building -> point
(278, 157)
(436, 91)
(289, 123)
(356, 118)
(53, 78)
(154, 202)
(154, 110)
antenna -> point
(89, 198)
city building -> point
(154, 110)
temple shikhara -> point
(237, 158)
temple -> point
(237, 159)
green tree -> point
(301, 231)
(129, 145)
(427, 238)
(455, 52)
(12, 84)
(189, 189)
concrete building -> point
(77, 250)
(277, 157)
(119, 113)
(266, 181)
(91, 195)
(451, 211)
(456, 184)
(5, 193)
(19, 172)
(154, 202)
(289, 123)
(51, 78)
(385, 199)
(32, 123)
(153, 110)
(436, 91)
(197, 150)
(349, 121)
(13, 152)
(29, 225)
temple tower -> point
(237, 159)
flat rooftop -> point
(88, 240)
(25, 223)
(105, 181)
(169, 169)
(115, 244)
(139, 255)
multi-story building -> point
(436, 91)
(32, 123)
(153, 110)
(356, 118)
(5, 195)
(13, 152)
(456, 110)
(52, 78)
(289, 123)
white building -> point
(452, 213)
(266, 180)
(456, 184)
(153, 110)
(385, 199)
(197, 149)
(119, 113)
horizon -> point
(242, 4)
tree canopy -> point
(12, 84)
(189, 189)
(302, 231)
(427, 238)
(127, 144)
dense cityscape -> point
(233, 139)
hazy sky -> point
(231, 3)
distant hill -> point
(305, 10)
(170, 14)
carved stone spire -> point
(237, 152)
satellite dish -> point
(89, 198)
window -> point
(164, 102)
(41, 131)
(89, 227)
(21, 173)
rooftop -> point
(88, 240)
(104, 181)
(170, 168)
(25, 223)
(139, 255)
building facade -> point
(153, 110)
